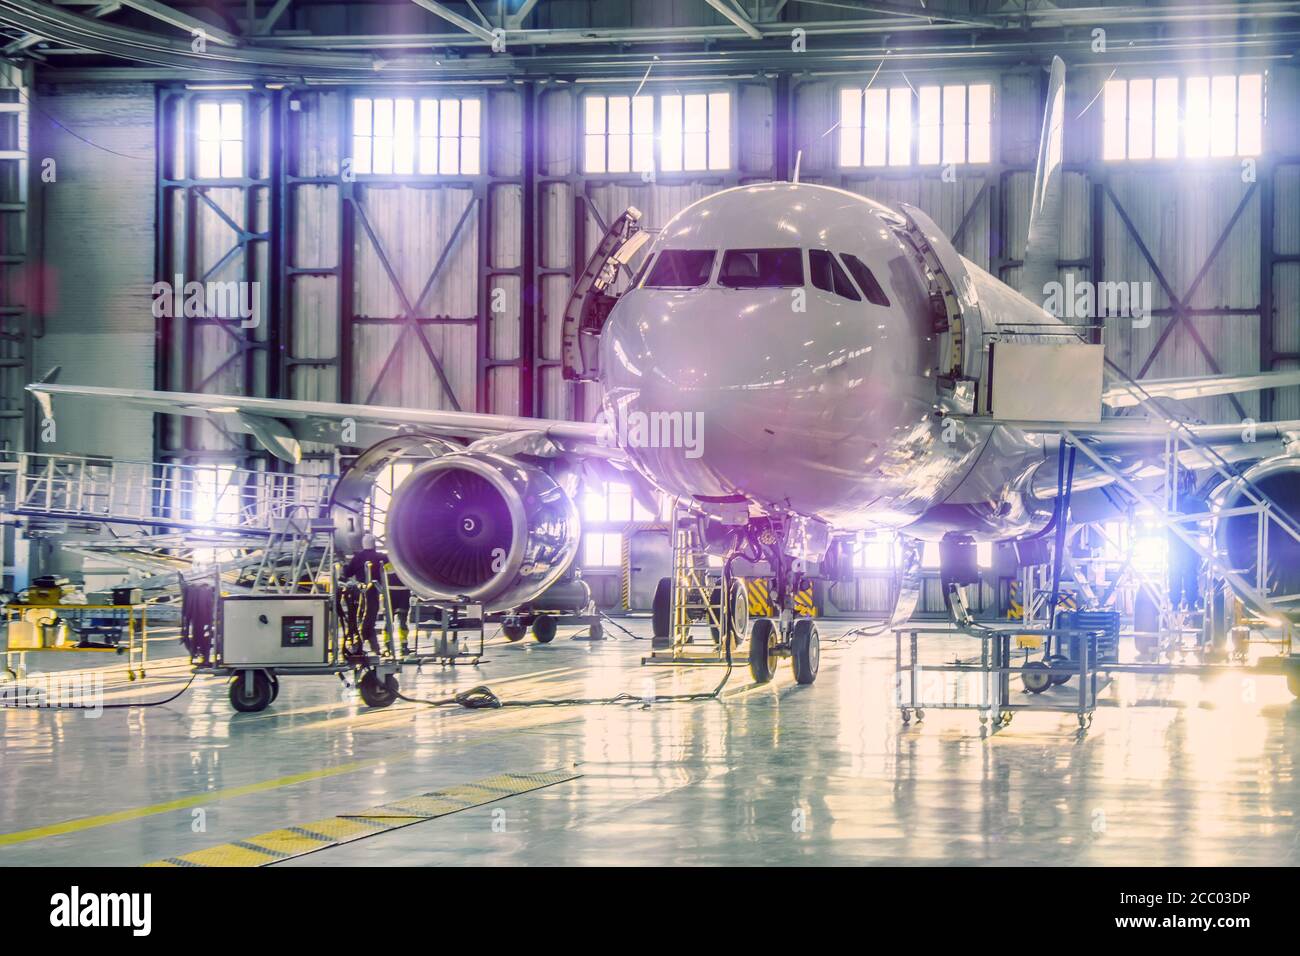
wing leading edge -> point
(281, 425)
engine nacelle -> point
(1237, 536)
(482, 528)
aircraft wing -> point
(281, 425)
(1138, 447)
(1121, 394)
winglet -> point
(1043, 243)
(43, 397)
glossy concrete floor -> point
(1174, 771)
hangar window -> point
(619, 133)
(865, 279)
(1195, 116)
(695, 132)
(681, 269)
(829, 276)
(953, 123)
(220, 140)
(602, 550)
(761, 268)
(430, 136)
(896, 127)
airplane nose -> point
(686, 390)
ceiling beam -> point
(182, 21)
(901, 10)
(516, 20)
(737, 18)
(454, 18)
(268, 22)
(31, 39)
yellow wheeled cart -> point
(73, 629)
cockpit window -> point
(870, 287)
(829, 276)
(641, 271)
(681, 269)
(761, 268)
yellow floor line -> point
(289, 842)
(104, 819)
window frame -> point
(709, 279)
(914, 125)
(834, 264)
(720, 261)
(1181, 154)
(195, 149)
(657, 96)
(417, 95)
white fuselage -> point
(821, 402)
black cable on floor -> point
(483, 697)
(123, 706)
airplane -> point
(848, 370)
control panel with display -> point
(296, 631)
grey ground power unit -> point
(275, 630)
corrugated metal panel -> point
(1018, 117)
(1286, 209)
(1286, 305)
(316, 129)
(558, 114)
(505, 128)
(504, 297)
(99, 257)
(1180, 219)
(754, 139)
(815, 111)
(1286, 406)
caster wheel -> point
(377, 693)
(1085, 721)
(544, 629)
(1005, 717)
(1060, 665)
(130, 675)
(514, 632)
(250, 691)
(907, 717)
(1036, 677)
(1293, 682)
(805, 651)
(920, 714)
(762, 650)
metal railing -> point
(213, 497)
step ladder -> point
(698, 619)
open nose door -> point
(592, 299)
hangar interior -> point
(399, 198)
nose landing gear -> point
(768, 644)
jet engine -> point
(482, 528)
(1237, 536)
